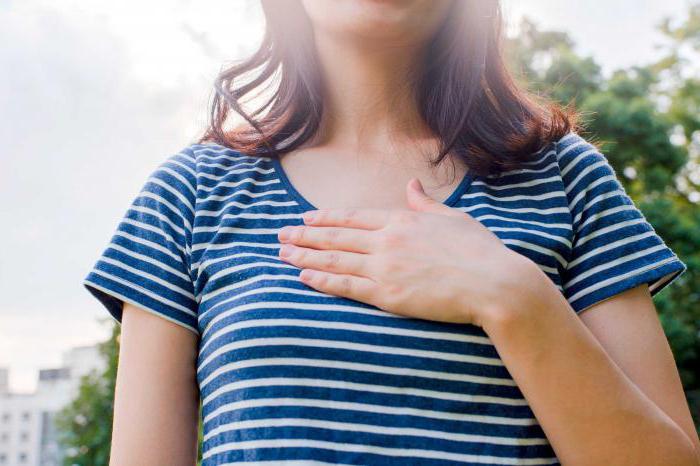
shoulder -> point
(578, 156)
(222, 173)
(211, 156)
(202, 165)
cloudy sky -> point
(94, 94)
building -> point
(27, 433)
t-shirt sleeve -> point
(614, 247)
(147, 262)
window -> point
(26, 415)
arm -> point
(604, 386)
(156, 404)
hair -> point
(462, 86)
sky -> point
(93, 95)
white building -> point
(27, 433)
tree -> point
(84, 426)
(646, 120)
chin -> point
(378, 19)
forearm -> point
(591, 412)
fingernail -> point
(285, 233)
(306, 274)
(309, 215)
(286, 250)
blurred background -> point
(93, 95)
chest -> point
(235, 245)
(330, 180)
(273, 348)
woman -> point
(437, 320)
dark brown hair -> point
(464, 91)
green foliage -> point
(628, 117)
(84, 426)
(632, 116)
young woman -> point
(334, 296)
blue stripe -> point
(290, 374)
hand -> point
(431, 262)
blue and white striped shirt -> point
(291, 375)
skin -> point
(156, 398)
(603, 385)
(373, 142)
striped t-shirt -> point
(288, 374)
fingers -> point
(348, 239)
(369, 219)
(330, 261)
(349, 286)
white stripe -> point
(602, 231)
(528, 170)
(140, 305)
(293, 292)
(540, 249)
(517, 197)
(271, 260)
(233, 244)
(588, 188)
(235, 184)
(355, 366)
(358, 448)
(278, 462)
(613, 264)
(246, 206)
(142, 290)
(594, 201)
(267, 382)
(176, 192)
(185, 167)
(219, 198)
(147, 243)
(371, 429)
(534, 210)
(560, 155)
(235, 171)
(159, 231)
(619, 278)
(563, 226)
(284, 305)
(610, 246)
(164, 218)
(150, 260)
(370, 408)
(272, 263)
(594, 217)
(378, 329)
(175, 210)
(524, 184)
(559, 239)
(213, 164)
(143, 274)
(346, 345)
(578, 159)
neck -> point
(369, 103)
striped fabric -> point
(291, 375)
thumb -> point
(419, 200)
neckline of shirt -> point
(281, 174)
